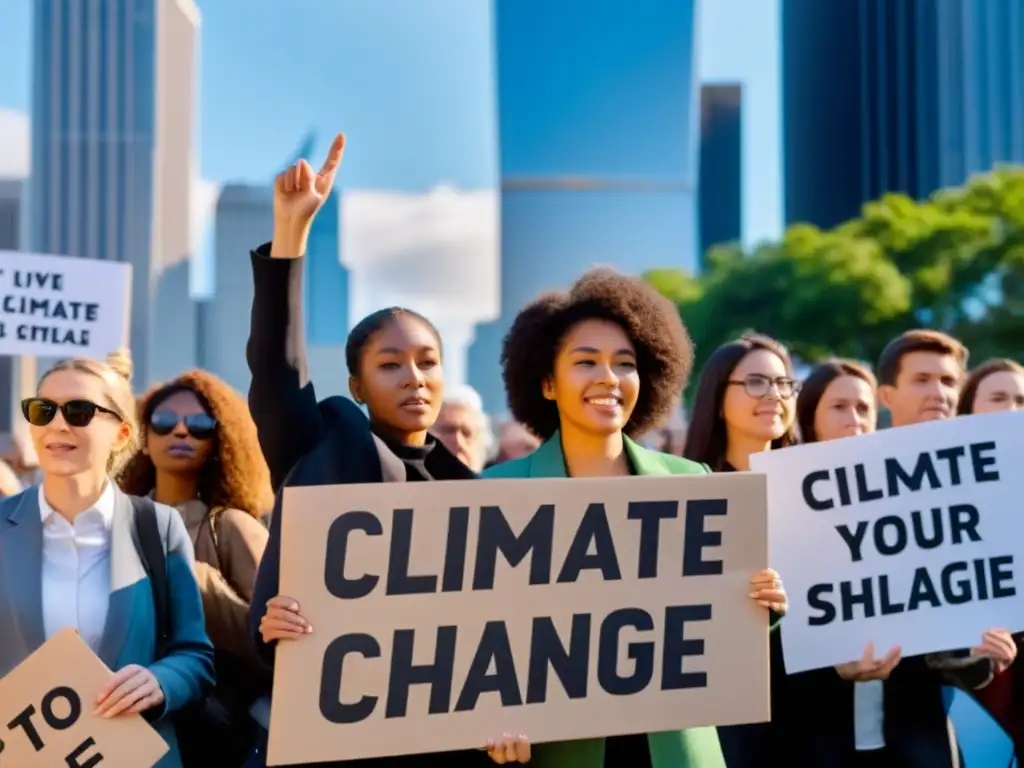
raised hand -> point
(299, 192)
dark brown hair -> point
(705, 437)
(814, 387)
(917, 340)
(663, 348)
(978, 375)
(236, 476)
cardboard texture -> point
(735, 638)
(65, 662)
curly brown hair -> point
(663, 347)
(239, 477)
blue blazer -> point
(185, 673)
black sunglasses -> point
(39, 411)
(199, 425)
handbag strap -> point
(154, 561)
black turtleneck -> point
(414, 457)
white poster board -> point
(58, 306)
(911, 536)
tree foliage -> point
(954, 262)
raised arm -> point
(281, 396)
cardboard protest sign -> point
(46, 714)
(909, 536)
(57, 306)
(447, 613)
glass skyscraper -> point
(598, 149)
(908, 96)
(112, 173)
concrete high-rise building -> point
(721, 166)
(12, 215)
(896, 97)
(113, 154)
(598, 113)
(243, 219)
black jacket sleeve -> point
(281, 398)
(268, 579)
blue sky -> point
(410, 82)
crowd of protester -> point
(592, 377)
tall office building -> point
(12, 210)
(244, 218)
(113, 154)
(721, 166)
(908, 97)
(598, 128)
(12, 194)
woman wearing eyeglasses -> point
(200, 454)
(68, 557)
(745, 404)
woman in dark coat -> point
(394, 362)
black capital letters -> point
(24, 721)
(608, 652)
(74, 708)
(494, 647)
(593, 530)
(650, 514)
(400, 582)
(497, 536)
(571, 666)
(677, 646)
(337, 548)
(405, 674)
(73, 759)
(807, 487)
(331, 705)
(697, 538)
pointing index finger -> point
(334, 156)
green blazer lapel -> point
(645, 462)
(548, 460)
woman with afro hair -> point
(587, 371)
(200, 454)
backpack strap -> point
(154, 561)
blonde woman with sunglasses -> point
(70, 557)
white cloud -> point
(437, 253)
(15, 144)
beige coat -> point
(229, 545)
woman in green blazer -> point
(584, 371)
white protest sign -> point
(910, 536)
(58, 306)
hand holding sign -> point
(769, 591)
(509, 749)
(999, 646)
(282, 621)
(47, 720)
(299, 193)
(132, 690)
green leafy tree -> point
(954, 262)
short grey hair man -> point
(464, 428)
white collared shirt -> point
(869, 715)
(76, 568)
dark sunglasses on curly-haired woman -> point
(199, 425)
(39, 411)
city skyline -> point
(421, 117)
